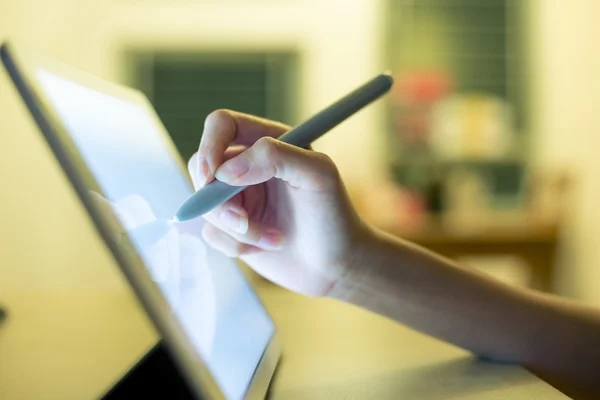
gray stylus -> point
(217, 192)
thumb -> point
(269, 158)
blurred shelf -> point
(532, 242)
(434, 162)
(435, 232)
(505, 178)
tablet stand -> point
(154, 376)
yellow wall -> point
(340, 43)
(46, 240)
(565, 75)
(52, 243)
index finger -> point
(225, 127)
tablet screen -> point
(143, 186)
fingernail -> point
(194, 175)
(235, 221)
(233, 169)
(199, 161)
(271, 240)
(203, 172)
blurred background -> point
(485, 150)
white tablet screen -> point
(143, 185)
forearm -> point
(433, 295)
(567, 351)
(464, 307)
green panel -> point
(467, 39)
(185, 88)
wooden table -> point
(534, 243)
(69, 344)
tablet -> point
(130, 178)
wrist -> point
(360, 261)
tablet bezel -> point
(22, 65)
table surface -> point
(525, 231)
(72, 344)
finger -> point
(226, 244)
(192, 166)
(246, 231)
(193, 171)
(233, 151)
(224, 127)
(269, 158)
(230, 216)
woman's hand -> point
(294, 225)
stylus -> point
(217, 192)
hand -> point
(295, 224)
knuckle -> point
(326, 160)
(329, 171)
(327, 164)
(217, 117)
(267, 154)
(220, 122)
(267, 147)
